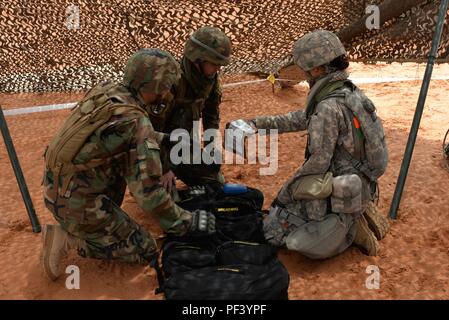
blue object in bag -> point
(230, 188)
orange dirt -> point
(414, 261)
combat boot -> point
(376, 222)
(56, 243)
(365, 238)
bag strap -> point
(332, 90)
(289, 217)
(359, 165)
(154, 263)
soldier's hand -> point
(252, 124)
(248, 126)
(202, 221)
(168, 181)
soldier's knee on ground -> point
(322, 239)
(118, 238)
(138, 247)
(274, 231)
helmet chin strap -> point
(198, 64)
(309, 76)
(137, 94)
(328, 69)
(310, 79)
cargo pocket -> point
(151, 166)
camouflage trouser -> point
(316, 234)
(108, 232)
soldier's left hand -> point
(168, 181)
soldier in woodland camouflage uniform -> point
(309, 226)
(85, 183)
(198, 95)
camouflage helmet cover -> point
(316, 49)
(210, 44)
(152, 71)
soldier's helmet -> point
(316, 49)
(152, 71)
(209, 44)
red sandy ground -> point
(414, 261)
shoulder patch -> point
(152, 145)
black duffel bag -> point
(234, 263)
(242, 270)
(238, 216)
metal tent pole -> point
(19, 174)
(419, 110)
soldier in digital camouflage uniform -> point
(197, 95)
(309, 226)
(85, 194)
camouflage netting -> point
(42, 50)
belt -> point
(289, 217)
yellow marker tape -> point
(228, 269)
(247, 243)
(227, 209)
(271, 78)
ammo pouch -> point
(347, 194)
(311, 187)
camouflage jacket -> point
(194, 97)
(328, 127)
(130, 142)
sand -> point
(414, 258)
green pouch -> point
(317, 186)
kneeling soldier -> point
(106, 144)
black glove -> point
(196, 191)
(202, 221)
